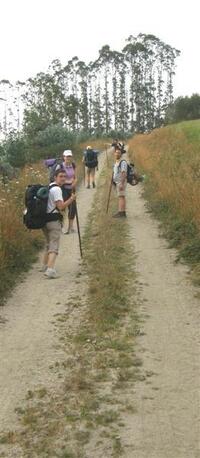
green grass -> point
(191, 129)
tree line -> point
(125, 91)
(119, 92)
(183, 109)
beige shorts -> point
(90, 171)
(119, 192)
(52, 233)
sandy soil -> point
(167, 423)
(27, 334)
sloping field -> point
(170, 157)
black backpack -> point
(91, 160)
(133, 177)
(36, 199)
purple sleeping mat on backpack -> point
(49, 162)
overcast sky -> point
(34, 32)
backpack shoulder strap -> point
(123, 160)
(53, 185)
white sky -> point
(34, 32)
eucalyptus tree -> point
(128, 90)
(103, 63)
(82, 72)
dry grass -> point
(170, 157)
(18, 246)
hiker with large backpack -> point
(68, 165)
(53, 227)
(123, 173)
(44, 205)
(91, 162)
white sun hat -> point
(67, 152)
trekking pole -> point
(109, 194)
(107, 155)
(78, 229)
(84, 172)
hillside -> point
(170, 157)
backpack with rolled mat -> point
(36, 200)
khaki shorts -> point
(90, 171)
(119, 192)
(52, 233)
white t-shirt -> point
(55, 194)
(119, 167)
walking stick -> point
(109, 194)
(84, 172)
(78, 229)
(107, 155)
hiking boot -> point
(93, 185)
(120, 215)
(50, 273)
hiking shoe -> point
(93, 185)
(88, 186)
(70, 231)
(43, 268)
(50, 273)
(120, 215)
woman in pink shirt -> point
(68, 188)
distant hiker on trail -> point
(117, 145)
(52, 229)
(68, 188)
(120, 182)
(91, 162)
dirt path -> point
(27, 337)
(167, 423)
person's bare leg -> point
(88, 178)
(71, 223)
(45, 258)
(122, 204)
(51, 260)
(93, 177)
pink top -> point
(70, 172)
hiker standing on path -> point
(120, 182)
(52, 229)
(117, 145)
(91, 162)
(69, 167)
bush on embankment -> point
(170, 157)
